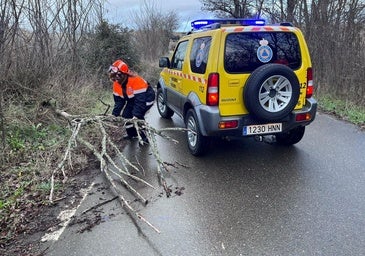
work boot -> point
(144, 139)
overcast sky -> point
(119, 11)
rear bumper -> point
(209, 119)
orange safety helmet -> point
(120, 66)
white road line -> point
(65, 217)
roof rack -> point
(208, 24)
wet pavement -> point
(242, 198)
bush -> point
(106, 44)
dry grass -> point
(35, 142)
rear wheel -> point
(162, 108)
(291, 137)
(197, 143)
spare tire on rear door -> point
(271, 92)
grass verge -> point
(342, 109)
(35, 143)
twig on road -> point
(108, 154)
(99, 204)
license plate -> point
(262, 129)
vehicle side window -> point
(199, 54)
(179, 55)
(245, 52)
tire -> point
(291, 137)
(197, 143)
(271, 92)
(162, 108)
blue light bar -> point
(200, 24)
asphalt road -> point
(243, 198)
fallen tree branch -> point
(71, 141)
(108, 153)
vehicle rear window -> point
(244, 52)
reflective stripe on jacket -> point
(135, 85)
(138, 91)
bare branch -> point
(108, 154)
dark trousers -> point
(119, 103)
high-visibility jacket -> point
(137, 90)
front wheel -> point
(162, 108)
(197, 143)
(291, 137)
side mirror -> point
(164, 62)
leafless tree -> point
(232, 8)
(37, 37)
(333, 30)
(153, 29)
(35, 33)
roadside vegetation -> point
(55, 59)
(343, 109)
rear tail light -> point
(309, 92)
(213, 89)
(303, 117)
(228, 124)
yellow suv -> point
(238, 78)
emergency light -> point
(200, 24)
